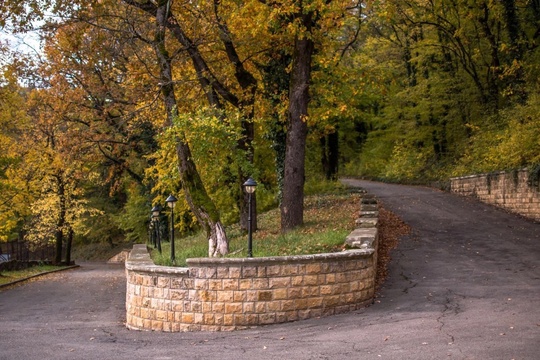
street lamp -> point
(171, 201)
(250, 186)
(156, 211)
(151, 232)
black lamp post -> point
(250, 186)
(171, 201)
(156, 211)
(151, 232)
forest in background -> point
(126, 102)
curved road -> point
(464, 285)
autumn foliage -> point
(125, 102)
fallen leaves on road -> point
(391, 228)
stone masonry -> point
(509, 190)
(236, 293)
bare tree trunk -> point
(217, 241)
(292, 206)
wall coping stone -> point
(472, 176)
(362, 238)
(139, 260)
(279, 260)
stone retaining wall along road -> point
(235, 293)
(510, 190)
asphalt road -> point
(464, 285)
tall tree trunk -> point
(513, 27)
(409, 64)
(276, 83)
(330, 155)
(535, 6)
(324, 155)
(515, 80)
(58, 247)
(200, 203)
(197, 198)
(494, 70)
(214, 90)
(292, 206)
(69, 242)
(61, 219)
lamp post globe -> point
(156, 211)
(250, 185)
(171, 201)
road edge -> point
(3, 286)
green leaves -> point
(453, 89)
(213, 138)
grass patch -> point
(10, 276)
(328, 219)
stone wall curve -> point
(220, 294)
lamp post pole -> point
(250, 186)
(151, 232)
(156, 210)
(171, 201)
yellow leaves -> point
(7, 224)
(508, 140)
(50, 166)
(512, 70)
(472, 127)
(406, 161)
(212, 137)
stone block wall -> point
(509, 190)
(236, 293)
(228, 294)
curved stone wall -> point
(510, 190)
(230, 293)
